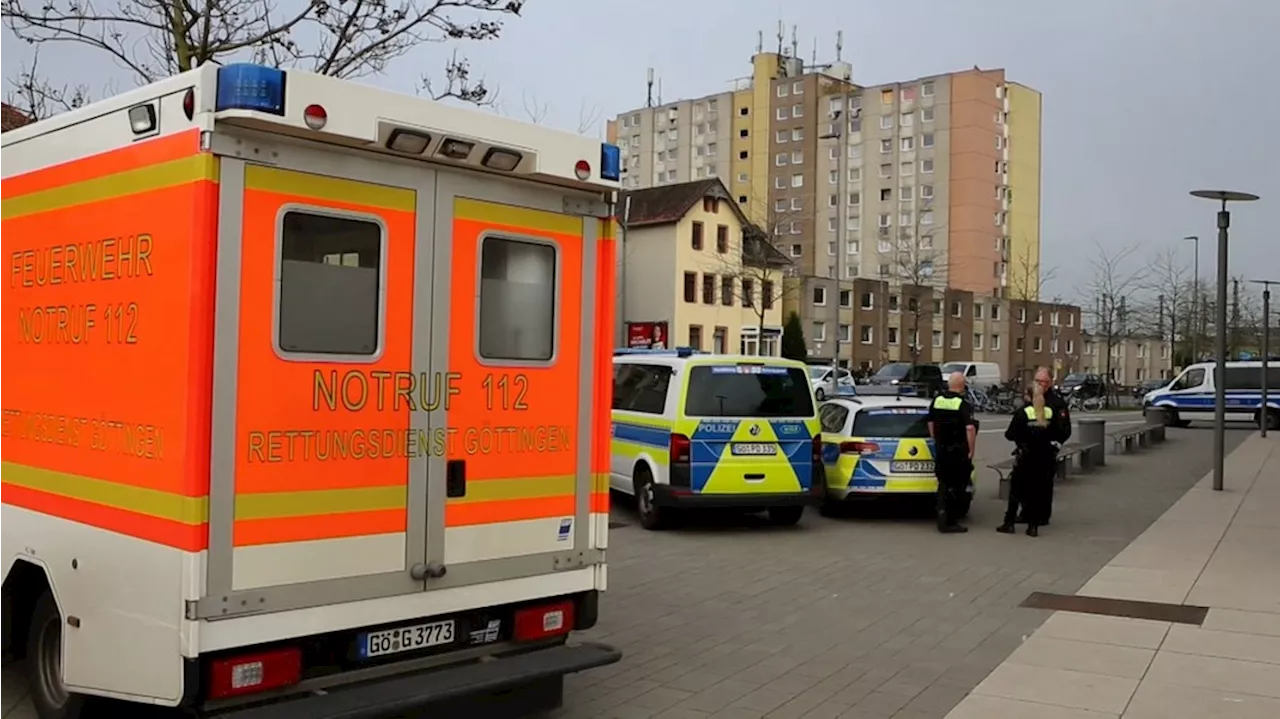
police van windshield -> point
(905, 422)
(748, 391)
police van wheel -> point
(785, 516)
(1271, 417)
(44, 665)
(652, 516)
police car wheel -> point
(44, 665)
(785, 516)
(651, 515)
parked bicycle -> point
(1087, 404)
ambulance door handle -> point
(455, 478)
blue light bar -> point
(677, 352)
(244, 86)
(610, 162)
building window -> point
(886, 97)
(977, 311)
(1038, 344)
(797, 133)
(886, 194)
(797, 158)
(1039, 317)
(846, 298)
(691, 287)
(955, 340)
(885, 220)
(926, 192)
(783, 89)
(781, 114)
(926, 217)
(517, 299)
(1071, 319)
(766, 294)
(908, 144)
(937, 338)
(697, 236)
(926, 115)
(819, 331)
(867, 333)
(886, 122)
(780, 159)
(886, 147)
(722, 239)
(720, 340)
(906, 193)
(708, 288)
(695, 336)
(868, 301)
(892, 335)
(796, 250)
(1071, 347)
(748, 292)
(780, 183)
(995, 342)
(846, 333)
(926, 167)
(797, 180)
(819, 295)
(886, 170)
(330, 284)
(726, 291)
(926, 140)
(977, 340)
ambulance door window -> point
(330, 280)
(517, 300)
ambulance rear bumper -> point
(392, 697)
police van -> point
(1192, 395)
(694, 430)
(878, 446)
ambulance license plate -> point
(755, 449)
(405, 639)
(911, 466)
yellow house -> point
(694, 272)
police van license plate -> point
(405, 639)
(911, 466)
(755, 449)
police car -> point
(694, 430)
(876, 446)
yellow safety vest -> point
(949, 403)
(1031, 413)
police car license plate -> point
(755, 449)
(405, 639)
(912, 466)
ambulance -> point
(306, 401)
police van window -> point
(517, 300)
(1250, 378)
(330, 271)
(1190, 379)
(641, 388)
(892, 423)
(748, 391)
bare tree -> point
(536, 111)
(759, 265)
(152, 39)
(918, 266)
(1166, 310)
(1114, 281)
(1025, 284)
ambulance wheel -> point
(652, 516)
(785, 516)
(44, 664)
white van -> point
(1191, 396)
(979, 375)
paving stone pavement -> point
(866, 617)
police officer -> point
(1061, 426)
(1034, 431)
(955, 435)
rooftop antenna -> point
(781, 36)
(659, 91)
(649, 80)
(814, 59)
(839, 45)
(759, 41)
(795, 44)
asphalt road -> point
(871, 616)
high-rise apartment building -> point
(940, 186)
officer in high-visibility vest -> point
(955, 437)
(1033, 429)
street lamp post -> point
(1195, 301)
(1220, 371)
(1264, 414)
(841, 135)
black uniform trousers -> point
(953, 469)
(1031, 486)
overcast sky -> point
(1144, 100)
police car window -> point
(330, 276)
(904, 422)
(833, 418)
(748, 390)
(641, 388)
(517, 300)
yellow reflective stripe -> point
(599, 482)
(951, 403)
(152, 502)
(121, 184)
(1031, 412)
(331, 189)
(277, 505)
(496, 490)
(517, 217)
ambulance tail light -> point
(253, 673)
(542, 621)
(189, 103)
(681, 449)
(500, 159)
(862, 448)
(582, 169)
(610, 162)
(245, 86)
(315, 116)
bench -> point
(1141, 437)
(1086, 455)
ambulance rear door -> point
(324, 434)
(517, 272)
